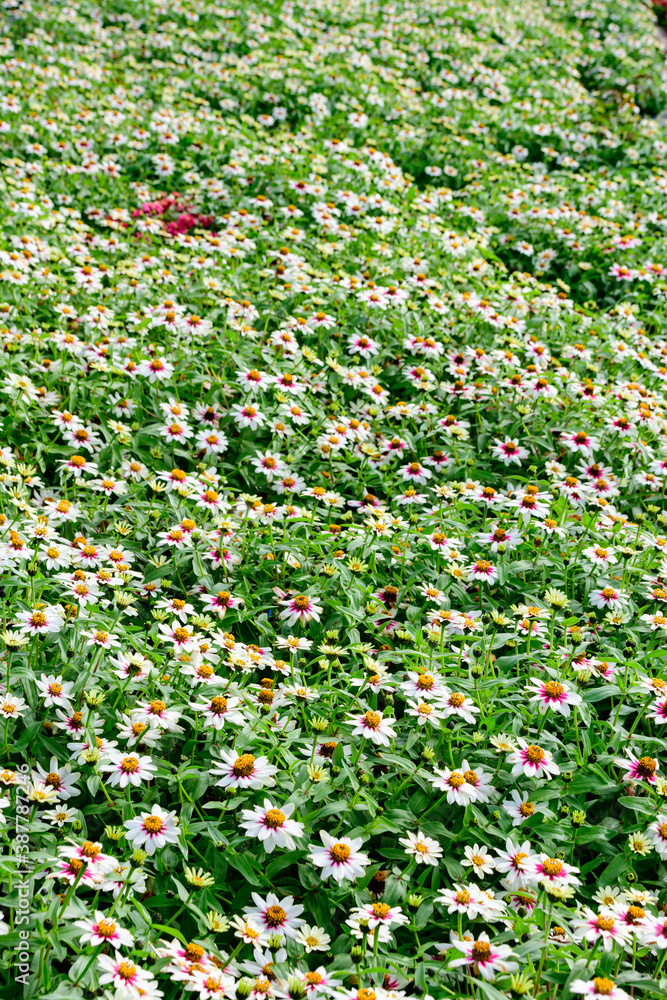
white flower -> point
(243, 771)
(479, 860)
(153, 830)
(339, 858)
(126, 769)
(104, 930)
(373, 726)
(423, 849)
(274, 915)
(272, 826)
(312, 938)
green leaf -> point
(487, 990)
(241, 864)
(637, 804)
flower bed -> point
(333, 527)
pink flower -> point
(484, 570)
(125, 976)
(607, 597)
(299, 607)
(103, 930)
(533, 761)
(339, 858)
(639, 769)
(271, 826)
(599, 986)
(553, 694)
(552, 870)
(415, 472)
(373, 726)
(509, 452)
(485, 958)
(127, 769)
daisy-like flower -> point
(607, 598)
(243, 771)
(247, 415)
(415, 472)
(533, 761)
(633, 917)
(317, 982)
(519, 808)
(134, 732)
(69, 869)
(551, 870)
(312, 938)
(656, 933)
(478, 780)
(600, 986)
(639, 768)
(157, 715)
(424, 850)
(60, 779)
(219, 710)
(458, 790)
(657, 832)
(656, 622)
(478, 859)
(293, 642)
(554, 695)
(464, 899)
(514, 862)
(423, 685)
(600, 555)
(580, 442)
(126, 977)
(11, 706)
(181, 637)
(602, 926)
(127, 769)
(155, 369)
(152, 830)
(60, 815)
(639, 843)
(339, 858)
(269, 464)
(484, 570)
(220, 602)
(503, 743)
(472, 901)
(301, 608)
(373, 726)
(272, 827)
(455, 703)
(380, 914)
(100, 639)
(531, 503)
(424, 712)
(485, 959)
(40, 620)
(275, 916)
(211, 984)
(104, 930)
(509, 452)
(250, 932)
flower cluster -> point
(333, 499)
